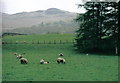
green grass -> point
(41, 38)
(0, 63)
(78, 67)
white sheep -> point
(61, 54)
(15, 53)
(61, 60)
(23, 61)
(42, 61)
(16, 42)
(46, 62)
(87, 54)
(24, 42)
(19, 56)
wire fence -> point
(40, 42)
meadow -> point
(40, 38)
(78, 67)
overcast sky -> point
(15, 6)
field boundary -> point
(40, 42)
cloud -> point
(14, 6)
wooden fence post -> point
(54, 41)
(38, 42)
(44, 42)
(60, 41)
(66, 41)
(49, 42)
(32, 42)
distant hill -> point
(52, 20)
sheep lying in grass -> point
(23, 61)
(42, 61)
(61, 54)
(46, 62)
(61, 60)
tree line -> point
(98, 31)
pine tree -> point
(98, 27)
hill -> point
(52, 20)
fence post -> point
(49, 42)
(66, 41)
(3, 42)
(38, 42)
(44, 42)
(32, 42)
(54, 41)
(60, 41)
(11, 42)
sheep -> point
(61, 54)
(15, 53)
(42, 61)
(61, 60)
(87, 54)
(19, 56)
(16, 42)
(24, 42)
(23, 61)
(46, 62)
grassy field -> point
(78, 67)
(41, 38)
(0, 62)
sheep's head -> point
(15, 53)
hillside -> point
(52, 20)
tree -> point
(98, 27)
(118, 35)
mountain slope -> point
(29, 21)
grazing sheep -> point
(19, 56)
(61, 60)
(15, 53)
(23, 61)
(16, 42)
(61, 54)
(42, 61)
(24, 42)
(87, 54)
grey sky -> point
(15, 6)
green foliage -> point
(99, 21)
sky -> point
(15, 6)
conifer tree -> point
(98, 27)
